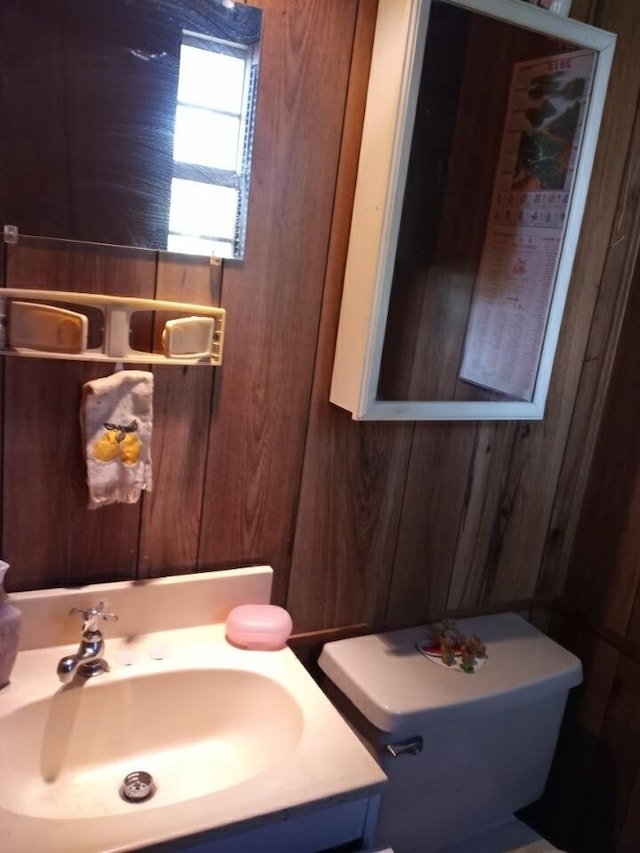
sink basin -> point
(236, 740)
(195, 731)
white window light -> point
(212, 141)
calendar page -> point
(514, 286)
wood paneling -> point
(171, 518)
(603, 270)
(599, 789)
(574, 813)
(484, 515)
(258, 431)
(363, 523)
(591, 802)
(604, 575)
(439, 461)
(49, 536)
(353, 475)
(592, 550)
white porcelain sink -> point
(194, 731)
(233, 738)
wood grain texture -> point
(505, 517)
(602, 462)
(432, 508)
(584, 10)
(483, 515)
(469, 525)
(50, 538)
(592, 799)
(346, 530)
(582, 772)
(612, 492)
(604, 573)
(529, 491)
(540, 457)
(353, 475)
(601, 281)
(362, 522)
(376, 524)
(172, 512)
(258, 430)
(620, 738)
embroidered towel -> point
(116, 417)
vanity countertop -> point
(180, 693)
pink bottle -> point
(10, 618)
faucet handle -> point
(92, 616)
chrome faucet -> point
(88, 661)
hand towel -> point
(116, 416)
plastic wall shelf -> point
(117, 312)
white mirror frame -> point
(398, 51)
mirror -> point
(129, 122)
(480, 130)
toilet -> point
(462, 751)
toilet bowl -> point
(462, 751)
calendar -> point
(532, 190)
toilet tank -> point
(471, 748)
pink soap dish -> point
(258, 626)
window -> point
(212, 146)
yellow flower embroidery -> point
(106, 449)
(131, 447)
(119, 441)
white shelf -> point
(116, 327)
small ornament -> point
(447, 646)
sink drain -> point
(137, 787)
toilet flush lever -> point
(410, 746)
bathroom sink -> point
(236, 740)
(195, 732)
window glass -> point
(206, 138)
(211, 79)
(204, 210)
(211, 139)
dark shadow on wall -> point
(577, 810)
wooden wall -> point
(592, 804)
(399, 520)
(366, 523)
(363, 523)
(593, 799)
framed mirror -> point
(129, 122)
(479, 136)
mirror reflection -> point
(129, 122)
(496, 141)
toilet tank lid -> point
(397, 688)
